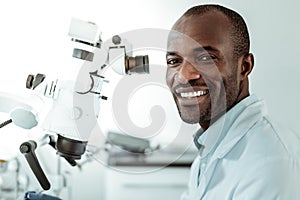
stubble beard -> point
(215, 107)
(195, 113)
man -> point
(242, 153)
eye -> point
(172, 62)
(205, 58)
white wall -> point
(33, 38)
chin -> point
(190, 121)
(188, 118)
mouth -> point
(191, 96)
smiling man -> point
(242, 153)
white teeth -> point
(193, 94)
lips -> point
(189, 92)
(191, 95)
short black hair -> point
(239, 31)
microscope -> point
(75, 103)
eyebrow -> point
(171, 53)
(198, 49)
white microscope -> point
(75, 104)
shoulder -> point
(267, 138)
(269, 158)
(270, 178)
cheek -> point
(170, 76)
(213, 78)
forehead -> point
(209, 29)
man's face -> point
(202, 72)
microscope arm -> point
(27, 148)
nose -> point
(187, 72)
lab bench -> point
(157, 175)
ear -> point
(247, 65)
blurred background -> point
(34, 39)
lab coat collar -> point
(221, 137)
(230, 128)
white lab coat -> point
(246, 156)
